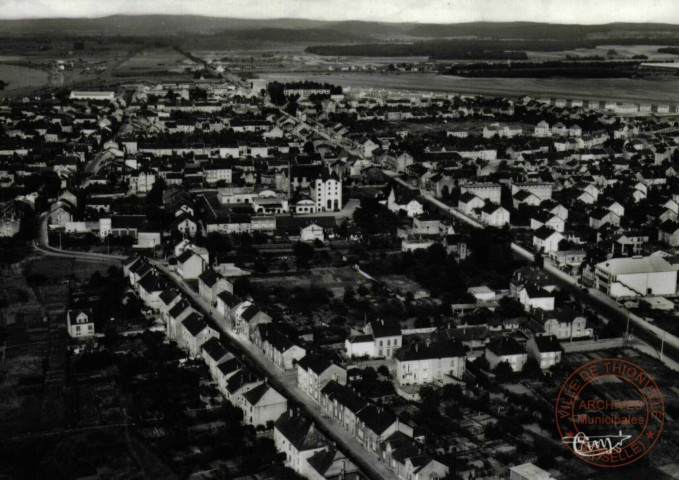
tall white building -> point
(327, 194)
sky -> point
(430, 11)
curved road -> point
(284, 382)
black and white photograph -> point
(339, 240)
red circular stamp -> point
(610, 412)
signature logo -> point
(594, 446)
(604, 396)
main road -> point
(284, 382)
(664, 344)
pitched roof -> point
(440, 349)
(228, 298)
(544, 232)
(250, 312)
(240, 378)
(360, 339)
(385, 328)
(255, 395)
(229, 366)
(547, 343)
(186, 254)
(344, 396)
(502, 346)
(314, 363)
(376, 419)
(168, 296)
(491, 208)
(299, 431)
(194, 323)
(209, 277)
(215, 349)
(179, 308)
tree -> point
(155, 195)
(309, 147)
(291, 108)
(531, 369)
(303, 254)
(503, 372)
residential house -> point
(211, 284)
(190, 265)
(533, 297)
(439, 362)
(546, 240)
(506, 349)
(668, 233)
(549, 220)
(214, 353)
(331, 464)
(296, 437)
(494, 215)
(226, 302)
(400, 199)
(195, 332)
(80, 323)
(600, 217)
(468, 203)
(314, 372)
(342, 404)
(564, 324)
(262, 405)
(247, 319)
(386, 336)
(375, 424)
(632, 243)
(524, 197)
(311, 232)
(175, 316)
(546, 350)
(277, 346)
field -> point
(334, 279)
(659, 89)
(155, 60)
(59, 268)
(651, 51)
(18, 77)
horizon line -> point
(98, 17)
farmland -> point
(618, 89)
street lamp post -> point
(662, 343)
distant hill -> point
(291, 35)
(146, 25)
(532, 30)
(175, 25)
(364, 29)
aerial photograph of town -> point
(342, 240)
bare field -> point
(658, 89)
(155, 59)
(56, 268)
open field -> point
(155, 59)
(334, 279)
(651, 51)
(19, 77)
(59, 268)
(658, 89)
